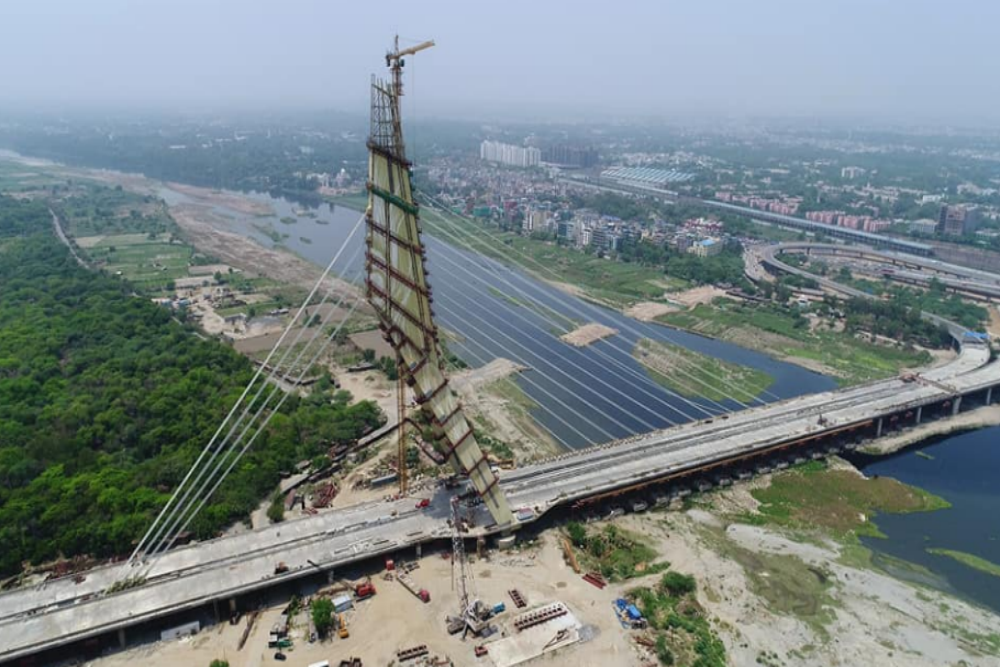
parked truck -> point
(411, 586)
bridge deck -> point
(60, 611)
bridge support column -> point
(420, 550)
(920, 412)
(989, 396)
(232, 605)
(329, 577)
(878, 429)
(215, 608)
(956, 405)
(121, 637)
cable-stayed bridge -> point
(706, 442)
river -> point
(963, 470)
(586, 394)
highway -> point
(905, 268)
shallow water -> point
(965, 470)
(587, 397)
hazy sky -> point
(902, 59)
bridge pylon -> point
(397, 288)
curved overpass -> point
(677, 460)
(904, 268)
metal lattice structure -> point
(397, 289)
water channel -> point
(962, 469)
(588, 397)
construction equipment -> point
(539, 616)
(412, 653)
(518, 599)
(473, 614)
(342, 627)
(411, 586)
(364, 590)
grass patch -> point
(840, 501)
(785, 583)
(616, 553)
(784, 333)
(970, 560)
(692, 374)
(680, 628)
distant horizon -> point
(853, 60)
(232, 113)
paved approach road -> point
(62, 611)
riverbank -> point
(789, 336)
(966, 421)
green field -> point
(149, 263)
(692, 374)
(781, 333)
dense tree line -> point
(724, 268)
(106, 400)
(893, 319)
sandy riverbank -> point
(587, 334)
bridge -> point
(671, 462)
(661, 464)
(900, 267)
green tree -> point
(577, 533)
(322, 615)
(677, 584)
(219, 663)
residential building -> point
(958, 220)
(509, 154)
(570, 156)
(706, 248)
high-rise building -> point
(509, 154)
(570, 156)
(958, 220)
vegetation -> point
(105, 402)
(971, 560)
(784, 332)
(276, 510)
(893, 319)
(322, 615)
(267, 157)
(840, 501)
(616, 553)
(683, 634)
(219, 663)
(693, 374)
